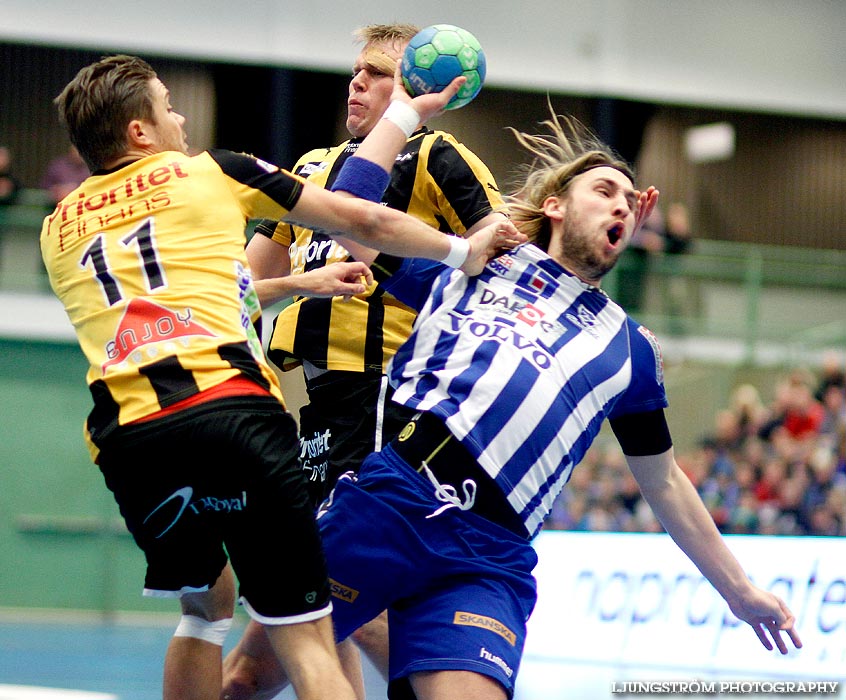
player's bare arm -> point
(677, 506)
(388, 230)
(268, 258)
(490, 241)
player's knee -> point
(373, 633)
(213, 631)
(364, 638)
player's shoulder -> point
(232, 162)
(646, 348)
(319, 160)
(440, 137)
(322, 153)
(443, 147)
(637, 328)
(250, 170)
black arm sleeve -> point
(266, 227)
(641, 434)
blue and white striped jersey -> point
(523, 363)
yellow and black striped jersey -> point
(435, 179)
(149, 261)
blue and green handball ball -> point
(439, 54)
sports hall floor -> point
(81, 659)
(90, 660)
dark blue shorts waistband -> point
(427, 438)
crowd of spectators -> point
(776, 468)
(9, 184)
(61, 176)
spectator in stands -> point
(804, 415)
(751, 413)
(834, 406)
(669, 235)
(773, 475)
(743, 517)
(763, 469)
(64, 174)
(9, 184)
(831, 393)
(832, 373)
(840, 451)
(680, 297)
(678, 237)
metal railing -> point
(758, 296)
(792, 299)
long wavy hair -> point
(568, 150)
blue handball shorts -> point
(458, 588)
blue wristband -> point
(362, 178)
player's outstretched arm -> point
(366, 175)
(680, 510)
(490, 241)
(339, 279)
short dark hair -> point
(98, 104)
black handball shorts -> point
(349, 415)
(221, 479)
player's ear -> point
(553, 207)
(137, 133)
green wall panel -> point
(62, 542)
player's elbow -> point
(371, 223)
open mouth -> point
(615, 233)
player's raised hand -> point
(490, 241)
(406, 114)
(430, 104)
(646, 202)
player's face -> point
(371, 86)
(167, 128)
(593, 222)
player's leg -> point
(155, 471)
(449, 685)
(284, 586)
(372, 639)
(307, 653)
(350, 415)
(274, 655)
(192, 669)
(472, 644)
(251, 670)
(462, 635)
(391, 417)
(350, 658)
(376, 420)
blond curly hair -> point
(568, 150)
